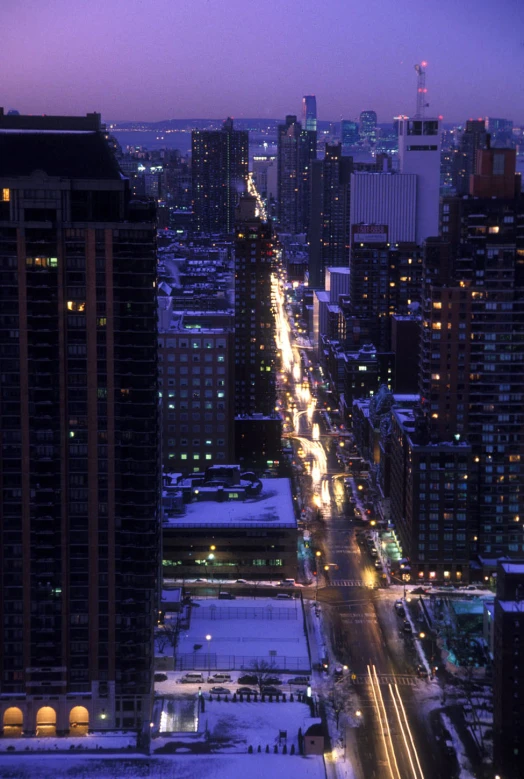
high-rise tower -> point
(78, 414)
(309, 113)
(219, 168)
(368, 126)
(296, 150)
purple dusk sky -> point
(158, 59)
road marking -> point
(406, 681)
(346, 583)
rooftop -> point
(62, 154)
(272, 507)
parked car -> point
(302, 680)
(373, 552)
(399, 608)
(271, 691)
(272, 680)
(192, 678)
(247, 679)
(220, 677)
(406, 627)
(220, 691)
(246, 691)
(422, 672)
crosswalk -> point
(401, 680)
(347, 583)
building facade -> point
(508, 670)
(419, 154)
(219, 168)
(79, 417)
(197, 395)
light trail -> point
(397, 712)
(315, 433)
(386, 720)
(409, 732)
(381, 723)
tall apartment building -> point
(384, 280)
(197, 395)
(508, 670)
(471, 359)
(219, 168)
(255, 349)
(472, 140)
(296, 150)
(329, 215)
(79, 418)
(430, 498)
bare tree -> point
(264, 671)
(167, 634)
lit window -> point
(6, 196)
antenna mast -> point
(421, 90)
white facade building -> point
(419, 154)
(387, 199)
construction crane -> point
(421, 90)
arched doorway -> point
(46, 721)
(13, 722)
(78, 721)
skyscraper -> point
(296, 150)
(219, 168)
(419, 153)
(368, 126)
(254, 320)
(349, 134)
(80, 460)
(329, 217)
(473, 139)
(309, 113)
(508, 670)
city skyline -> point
(160, 61)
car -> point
(406, 627)
(248, 679)
(241, 581)
(271, 680)
(270, 691)
(220, 691)
(373, 552)
(302, 680)
(401, 611)
(246, 691)
(378, 565)
(422, 672)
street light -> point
(208, 639)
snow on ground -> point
(242, 630)
(241, 725)
(256, 766)
(464, 764)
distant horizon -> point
(246, 59)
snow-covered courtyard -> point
(232, 635)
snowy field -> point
(256, 766)
(243, 630)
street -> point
(395, 739)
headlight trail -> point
(382, 729)
(415, 753)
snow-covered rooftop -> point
(274, 506)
